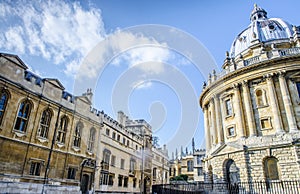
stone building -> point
(252, 107)
(54, 141)
(160, 166)
(189, 164)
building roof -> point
(261, 30)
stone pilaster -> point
(248, 109)
(238, 111)
(274, 104)
(207, 132)
(287, 103)
(213, 122)
(219, 124)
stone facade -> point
(189, 164)
(252, 108)
(51, 137)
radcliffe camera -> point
(138, 97)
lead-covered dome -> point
(261, 30)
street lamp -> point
(142, 183)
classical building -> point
(252, 108)
(54, 141)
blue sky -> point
(144, 70)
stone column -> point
(219, 125)
(238, 111)
(287, 103)
(248, 109)
(274, 104)
(207, 132)
(213, 123)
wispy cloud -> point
(55, 30)
(142, 84)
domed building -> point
(252, 107)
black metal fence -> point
(255, 187)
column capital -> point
(281, 73)
(268, 76)
(235, 86)
(245, 83)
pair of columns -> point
(215, 134)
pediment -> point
(55, 82)
(15, 59)
(85, 99)
(227, 148)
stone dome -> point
(261, 30)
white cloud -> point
(55, 30)
(13, 39)
(142, 84)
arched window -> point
(77, 134)
(260, 98)
(23, 116)
(3, 103)
(91, 139)
(45, 124)
(106, 158)
(190, 165)
(62, 129)
(271, 168)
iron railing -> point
(255, 187)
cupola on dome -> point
(261, 30)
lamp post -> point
(142, 184)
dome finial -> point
(258, 13)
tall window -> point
(259, 98)
(298, 88)
(23, 115)
(62, 130)
(77, 134)
(199, 171)
(190, 165)
(91, 139)
(106, 158)
(3, 103)
(45, 124)
(271, 169)
(113, 160)
(125, 181)
(199, 160)
(35, 168)
(122, 163)
(120, 180)
(228, 107)
(154, 173)
(132, 166)
(71, 173)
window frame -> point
(19, 119)
(91, 140)
(77, 135)
(264, 102)
(190, 166)
(4, 105)
(265, 119)
(72, 173)
(35, 168)
(228, 134)
(62, 130)
(267, 168)
(44, 125)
